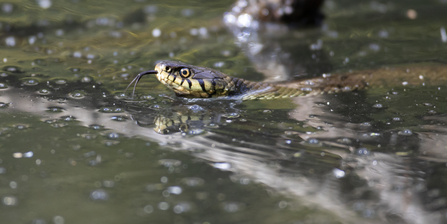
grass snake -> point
(201, 82)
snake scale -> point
(201, 82)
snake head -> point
(193, 81)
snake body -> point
(201, 82)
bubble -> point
(181, 207)
(77, 54)
(119, 118)
(156, 32)
(148, 209)
(96, 126)
(77, 94)
(233, 206)
(187, 12)
(313, 141)
(219, 64)
(108, 183)
(12, 69)
(163, 206)
(193, 181)
(405, 132)
(86, 79)
(44, 91)
(9, 200)
(282, 204)
(55, 109)
(169, 162)
(113, 135)
(175, 190)
(68, 118)
(377, 105)
(7, 7)
(10, 41)
(60, 81)
(99, 195)
(28, 154)
(45, 4)
(195, 108)
(231, 115)
(363, 152)
(30, 82)
(338, 173)
(38, 221)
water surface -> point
(75, 149)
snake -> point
(201, 82)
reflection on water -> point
(74, 148)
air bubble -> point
(119, 118)
(169, 162)
(405, 132)
(77, 94)
(30, 82)
(99, 195)
(44, 92)
(193, 181)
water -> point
(75, 149)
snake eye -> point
(184, 72)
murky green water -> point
(74, 149)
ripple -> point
(41, 62)
(13, 69)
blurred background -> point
(75, 149)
